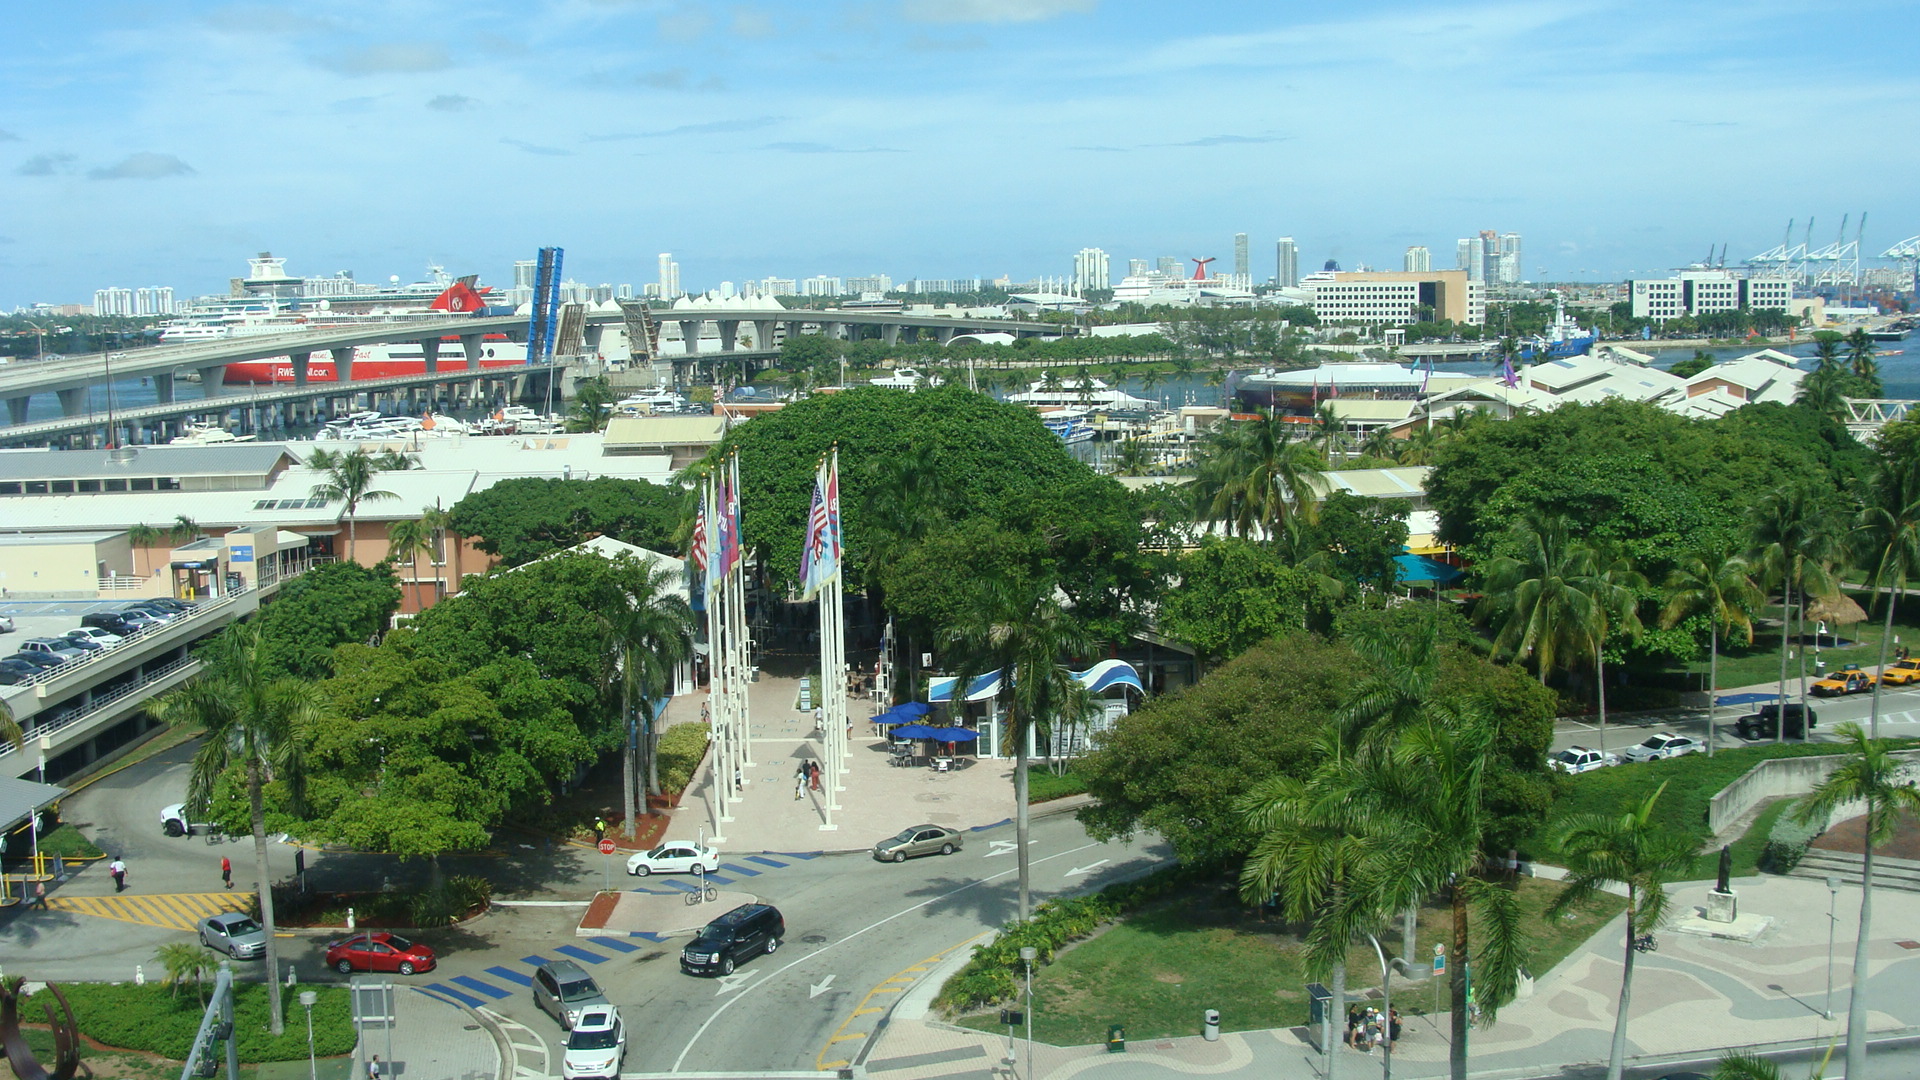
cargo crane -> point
(1907, 253)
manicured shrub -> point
(1787, 843)
(680, 748)
(152, 1018)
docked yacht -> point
(905, 378)
(657, 401)
(207, 434)
(1089, 393)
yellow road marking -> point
(844, 1038)
(905, 978)
(167, 911)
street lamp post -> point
(1027, 955)
(307, 998)
(1386, 1009)
(1833, 898)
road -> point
(858, 931)
(1899, 717)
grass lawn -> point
(1745, 665)
(108, 1064)
(1157, 969)
(1043, 785)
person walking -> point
(226, 871)
(800, 782)
(373, 1067)
(119, 871)
(813, 775)
(599, 829)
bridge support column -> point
(690, 335)
(343, 365)
(944, 335)
(163, 388)
(430, 348)
(470, 344)
(729, 333)
(890, 333)
(17, 409)
(213, 379)
(301, 364)
(73, 400)
(763, 334)
(590, 338)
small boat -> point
(657, 401)
(203, 434)
(905, 378)
(1071, 427)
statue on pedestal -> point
(1726, 870)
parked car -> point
(1901, 673)
(1801, 719)
(13, 672)
(378, 951)
(84, 634)
(726, 942)
(43, 662)
(86, 645)
(235, 934)
(1848, 680)
(59, 648)
(565, 992)
(919, 840)
(6, 624)
(169, 604)
(1579, 759)
(1665, 745)
(139, 618)
(157, 614)
(109, 621)
(674, 857)
(596, 1046)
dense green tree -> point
(1234, 594)
(1700, 361)
(329, 605)
(1361, 537)
(252, 721)
(528, 517)
(1253, 475)
(1886, 542)
(1869, 775)
(1628, 849)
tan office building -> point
(1397, 298)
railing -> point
(123, 584)
(98, 702)
(100, 656)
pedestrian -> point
(705, 716)
(800, 782)
(119, 871)
(40, 894)
(226, 871)
(599, 829)
(1353, 1024)
(1393, 1029)
(819, 720)
(373, 1068)
(813, 775)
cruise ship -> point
(380, 362)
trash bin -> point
(1116, 1039)
(1319, 1016)
(1211, 1028)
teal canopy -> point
(1420, 570)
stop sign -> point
(606, 847)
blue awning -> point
(1420, 570)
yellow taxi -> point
(1901, 673)
(1848, 680)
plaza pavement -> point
(1691, 997)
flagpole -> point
(719, 776)
(740, 641)
(837, 689)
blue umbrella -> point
(954, 734)
(891, 716)
(916, 731)
(912, 708)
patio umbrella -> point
(915, 709)
(917, 731)
(953, 734)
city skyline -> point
(144, 145)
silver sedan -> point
(919, 840)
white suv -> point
(1579, 759)
(596, 1046)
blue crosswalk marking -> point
(615, 944)
(716, 879)
(796, 854)
(736, 868)
(579, 953)
(534, 961)
(448, 991)
(511, 975)
(775, 863)
(488, 989)
(681, 885)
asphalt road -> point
(1899, 717)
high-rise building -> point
(669, 276)
(872, 283)
(624, 292)
(1286, 263)
(1418, 260)
(113, 301)
(1242, 264)
(822, 285)
(524, 271)
(1136, 268)
(1512, 269)
(1470, 255)
(778, 286)
(1704, 292)
(153, 300)
(1091, 270)
(1169, 266)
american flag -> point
(698, 552)
(820, 556)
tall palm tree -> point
(1634, 851)
(407, 539)
(1886, 541)
(1717, 583)
(1540, 597)
(1869, 774)
(1328, 432)
(1861, 363)
(1380, 443)
(1792, 537)
(350, 476)
(1254, 476)
(648, 628)
(253, 722)
(1615, 586)
(143, 537)
(1021, 631)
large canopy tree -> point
(528, 517)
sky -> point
(152, 143)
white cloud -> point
(143, 166)
(452, 103)
(389, 59)
(46, 165)
(992, 11)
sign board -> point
(372, 1003)
(606, 847)
(1439, 959)
(240, 553)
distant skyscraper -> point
(1136, 268)
(1242, 264)
(524, 271)
(1286, 269)
(1471, 255)
(1170, 266)
(1091, 270)
(1512, 270)
(624, 292)
(113, 301)
(153, 300)
(1418, 260)
(669, 276)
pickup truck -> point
(173, 821)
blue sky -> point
(164, 143)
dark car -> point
(167, 603)
(40, 661)
(14, 672)
(724, 943)
(110, 622)
(1763, 724)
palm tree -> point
(254, 722)
(185, 962)
(1254, 476)
(1328, 432)
(1717, 583)
(1021, 631)
(1634, 851)
(1615, 587)
(1886, 541)
(1132, 458)
(1861, 363)
(142, 537)
(407, 539)
(350, 476)
(1380, 443)
(648, 629)
(1791, 539)
(1540, 595)
(1869, 774)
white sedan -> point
(674, 857)
(96, 635)
(1665, 745)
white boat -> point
(203, 434)
(1071, 427)
(653, 402)
(1076, 393)
(905, 378)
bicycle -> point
(703, 892)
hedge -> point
(155, 1019)
(1787, 842)
(992, 974)
(680, 748)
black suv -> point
(110, 622)
(1763, 724)
(730, 939)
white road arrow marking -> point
(1087, 869)
(816, 989)
(730, 983)
(1003, 847)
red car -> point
(378, 951)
